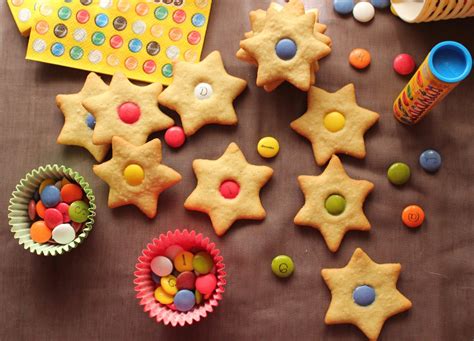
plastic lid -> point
(450, 62)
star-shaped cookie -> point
(364, 294)
(286, 25)
(348, 139)
(317, 191)
(128, 111)
(203, 93)
(78, 122)
(135, 175)
(228, 189)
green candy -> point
(398, 173)
(283, 266)
(78, 211)
(335, 204)
(202, 263)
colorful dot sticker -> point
(17, 3)
(79, 35)
(123, 5)
(131, 63)
(105, 3)
(45, 10)
(113, 60)
(198, 20)
(24, 15)
(190, 56)
(135, 45)
(39, 45)
(194, 37)
(175, 34)
(167, 70)
(201, 3)
(57, 49)
(86, 2)
(142, 9)
(139, 27)
(82, 16)
(153, 48)
(64, 13)
(156, 31)
(98, 38)
(95, 56)
(60, 30)
(42, 27)
(120, 23)
(116, 41)
(101, 20)
(149, 66)
(172, 52)
(76, 53)
(161, 13)
(179, 16)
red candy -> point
(404, 64)
(229, 189)
(186, 280)
(53, 218)
(175, 137)
(129, 112)
(32, 209)
(206, 284)
(64, 209)
(71, 193)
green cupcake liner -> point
(18, 209)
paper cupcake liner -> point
(18, 209)
(145, 286)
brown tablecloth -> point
(88, 293)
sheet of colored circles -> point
(138, 38)
(23, 12)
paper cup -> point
(411, 11)
(440, 6)
(465, 9)
(18, 209)
(455, 11)
(449, 7)
(145, 286)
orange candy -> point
(359, 58)
(413, 216)
(40, 208)
(39, 232)
(71, 193)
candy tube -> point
(447, 64)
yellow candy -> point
(134, 175)
(334, 121)
(393, 11)
(268, 147)
(198, 297)
(45, 183)
(184, 261)
(162, 297)
(168, 283)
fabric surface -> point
(88, 293)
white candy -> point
(363, 11)
(64, 234)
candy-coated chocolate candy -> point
(334, 121)
(172, 306)
(32, 209)
(268, 147)
(363, 295)
(404, 64)
(380, 3)
(53, 218)
(134, 174)
(186, 280)
(363, 11)
(413, 216)
(398, 173)
(184, 261)
(78, 211)
(184, 300)
(58, 184)
(343, 6)
(77, 226)
(203, 91)
(50, 196)
(430, 160)
(44, 183)
(202, 262)
(392, 9)
(229, 189)
(64, 234)
(64, 209)
(286, 49)
(283, 266)
(335, 204)
(206, 284)
(39, 232)
(36, 196)
(175, 137)
(40, 209)
(208, 296)
(162, 297)
(359, 58)
(155, 278)
(198, 296)
(64, 182)
(168, 283)
(172, 251)
(161, 266)
(129, 112)
(71, 193)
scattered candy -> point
(229, 189)
(71, 193)
(335, 204)
(50, 196)
(283, 266)
(161, 266)
(134, 174)
(285, 49)
(32, 209)
(343, 6)
(202, 263)
(363, 11)
(364, 295)
(39, 232)
(359, 58)
(380, 3)
(268, 147)
(175, 137)
(78, 211)
(184, 300)
(430, 160)
(63, 234)
(334, 121)
(413, 216)
(404, 64)
(398, 173)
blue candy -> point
(36, 196)
(155, 278)
(184, 300)
(286, 49)
(50, 196)
(343, 6)
(90, 121)
(364, 295)
(380, 3)
(430, 160)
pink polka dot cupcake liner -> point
(145, 287)
(20, 222)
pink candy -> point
(64, 209)
(206, 284)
